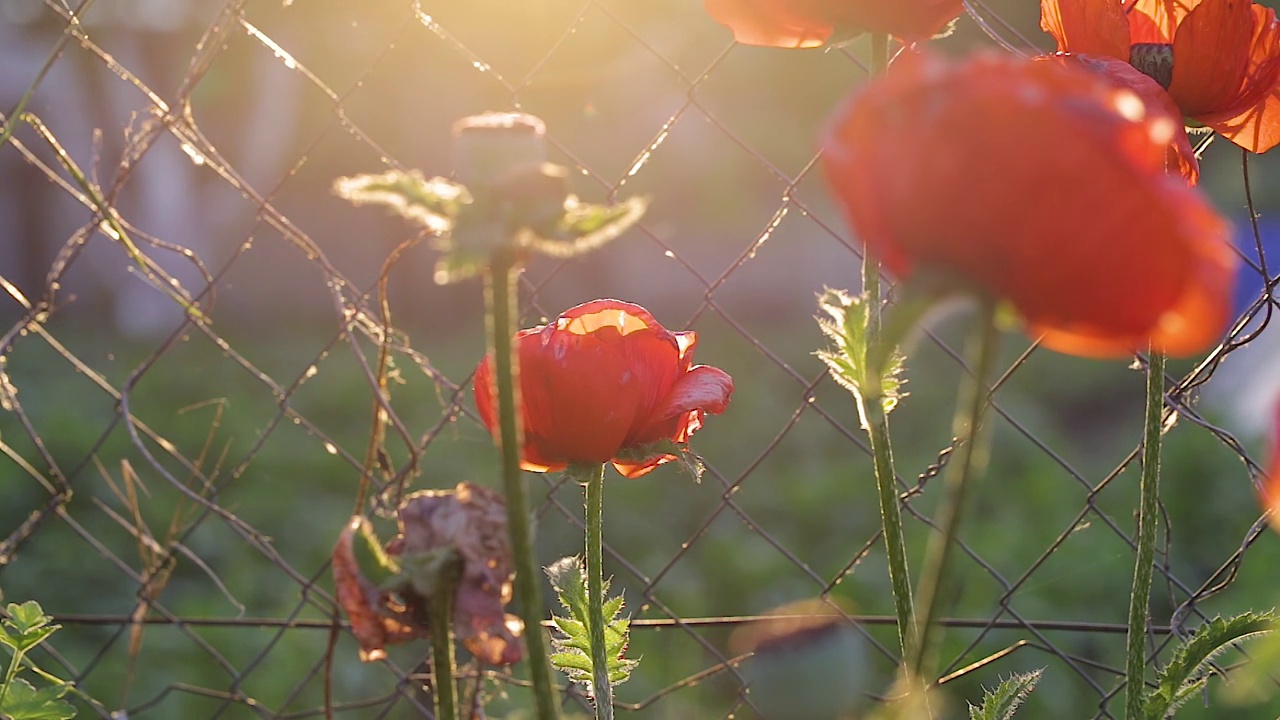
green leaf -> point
(570, 583)
(374, 563)
(433, 203)
(584, 227)
(1187, 671)
(612, 607)
(26, 617)
(845, 325)
(573, 661)
(574, 647)
(23, 702)
(29, 626)
(1252, 682)
(1002, 702)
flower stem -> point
(501, 321)
(878, 422)
(603, 689)
(891, 520)
(440, 619)
(969, 413)
(1148, 511)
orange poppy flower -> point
(1219, 59)
(810, 23)
(606, 379)
(1040, 184)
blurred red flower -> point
(1040, 184)
(1219, 59)
(1271, 481)
(1180, 156)
(602, 381)
(810, 23)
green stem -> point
(891, 520)
(1148, 511)
(440, 619)
(877, 421)
(500, 318)
(10, 674)
(969, 411)
(603, 689)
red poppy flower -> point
(1219, 59)
(1271, 481)
(810, 23)
(1040, 184)
(604, 380)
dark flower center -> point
(1155, 60)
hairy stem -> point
(440, 619)
(969, 412)
(595, 596)
(501, 321)
(878, 423)
(1148, 513)
(891, 521)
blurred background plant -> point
(194, 476)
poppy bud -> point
(493, 146)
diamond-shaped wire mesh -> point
(173, 484)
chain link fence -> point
(173, 482)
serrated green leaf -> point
(574, 642)
(433, 203)
(612, 607)
(845, 325)
(569, 582)
(572, 661)
(584, 227)
(1002, 702)
(1186, 671)
(567, 626)
(26, 617)
(23, 702)
(622, 674)
(1253, 682)
(27, 625)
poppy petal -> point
(1211, 50)
(1254, 122)
(1193, 321)
(702, 388)
(624, 317)
(487, 406)
(1180, 156)
(1271, 480)
(1155, 21)
(910, 20)
(1096, 27)
(1258, 128)
(769, 23)
(632, 470)
(580, 394)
